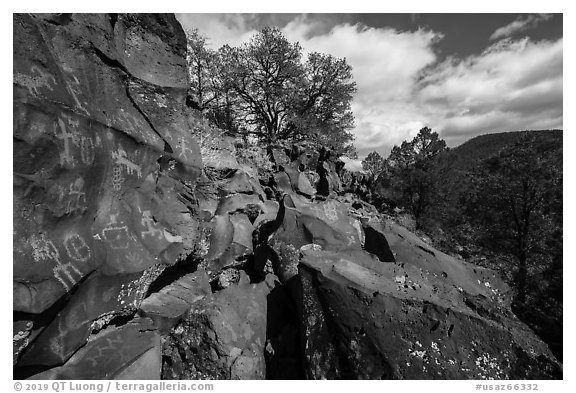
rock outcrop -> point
(149, 244)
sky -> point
(460, 74)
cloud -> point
(519, 25)
(512, 85)
(402, 86)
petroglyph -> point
(116, 235)
(184, 149)
(66, 156)
(69, 135)
(87, 150)
(43, 249)
(77, 248)
(117, 178)
(151, 225)
(74, 88)
(121, 159)
(63, 273)
(133, 258)
(331, 212)
(35, 82)
(110, 346)
(172, 238)
(77, 196)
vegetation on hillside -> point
(495, 201)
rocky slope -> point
(148, 245)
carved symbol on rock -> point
(183, 148)
(117, 236)
(111, 345)
(330, 211)
(121, 159)
(34, 82)
(117, 178)
(77, 196)
(74, 88)
(87, 150)
(66, 156)
(44, 249)
(77, 248)
(150, 224)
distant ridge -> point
(468, 154)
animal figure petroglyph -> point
(121, 158)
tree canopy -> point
(373, 164)
(515, 200)
(264, 89)
(410, 171)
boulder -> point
(221, 337)
(364, 319)
(132, 350)
(166, 306)
(97, 301)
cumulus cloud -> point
(402, 86)
(519, 25)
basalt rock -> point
(99, 107)
(132, 350)
(370, 320)
(221, 337)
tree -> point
(263, 89)
(373, 164)
(410, 168)
(516, 202)
(204, 81)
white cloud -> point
(513, 85)
(519, 25)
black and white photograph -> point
(286, 196)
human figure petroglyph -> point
(34, 82)
(151, 225)
(121, 158)
(43, 249)
(69, 135)
(182, 144)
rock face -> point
(148, 244)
